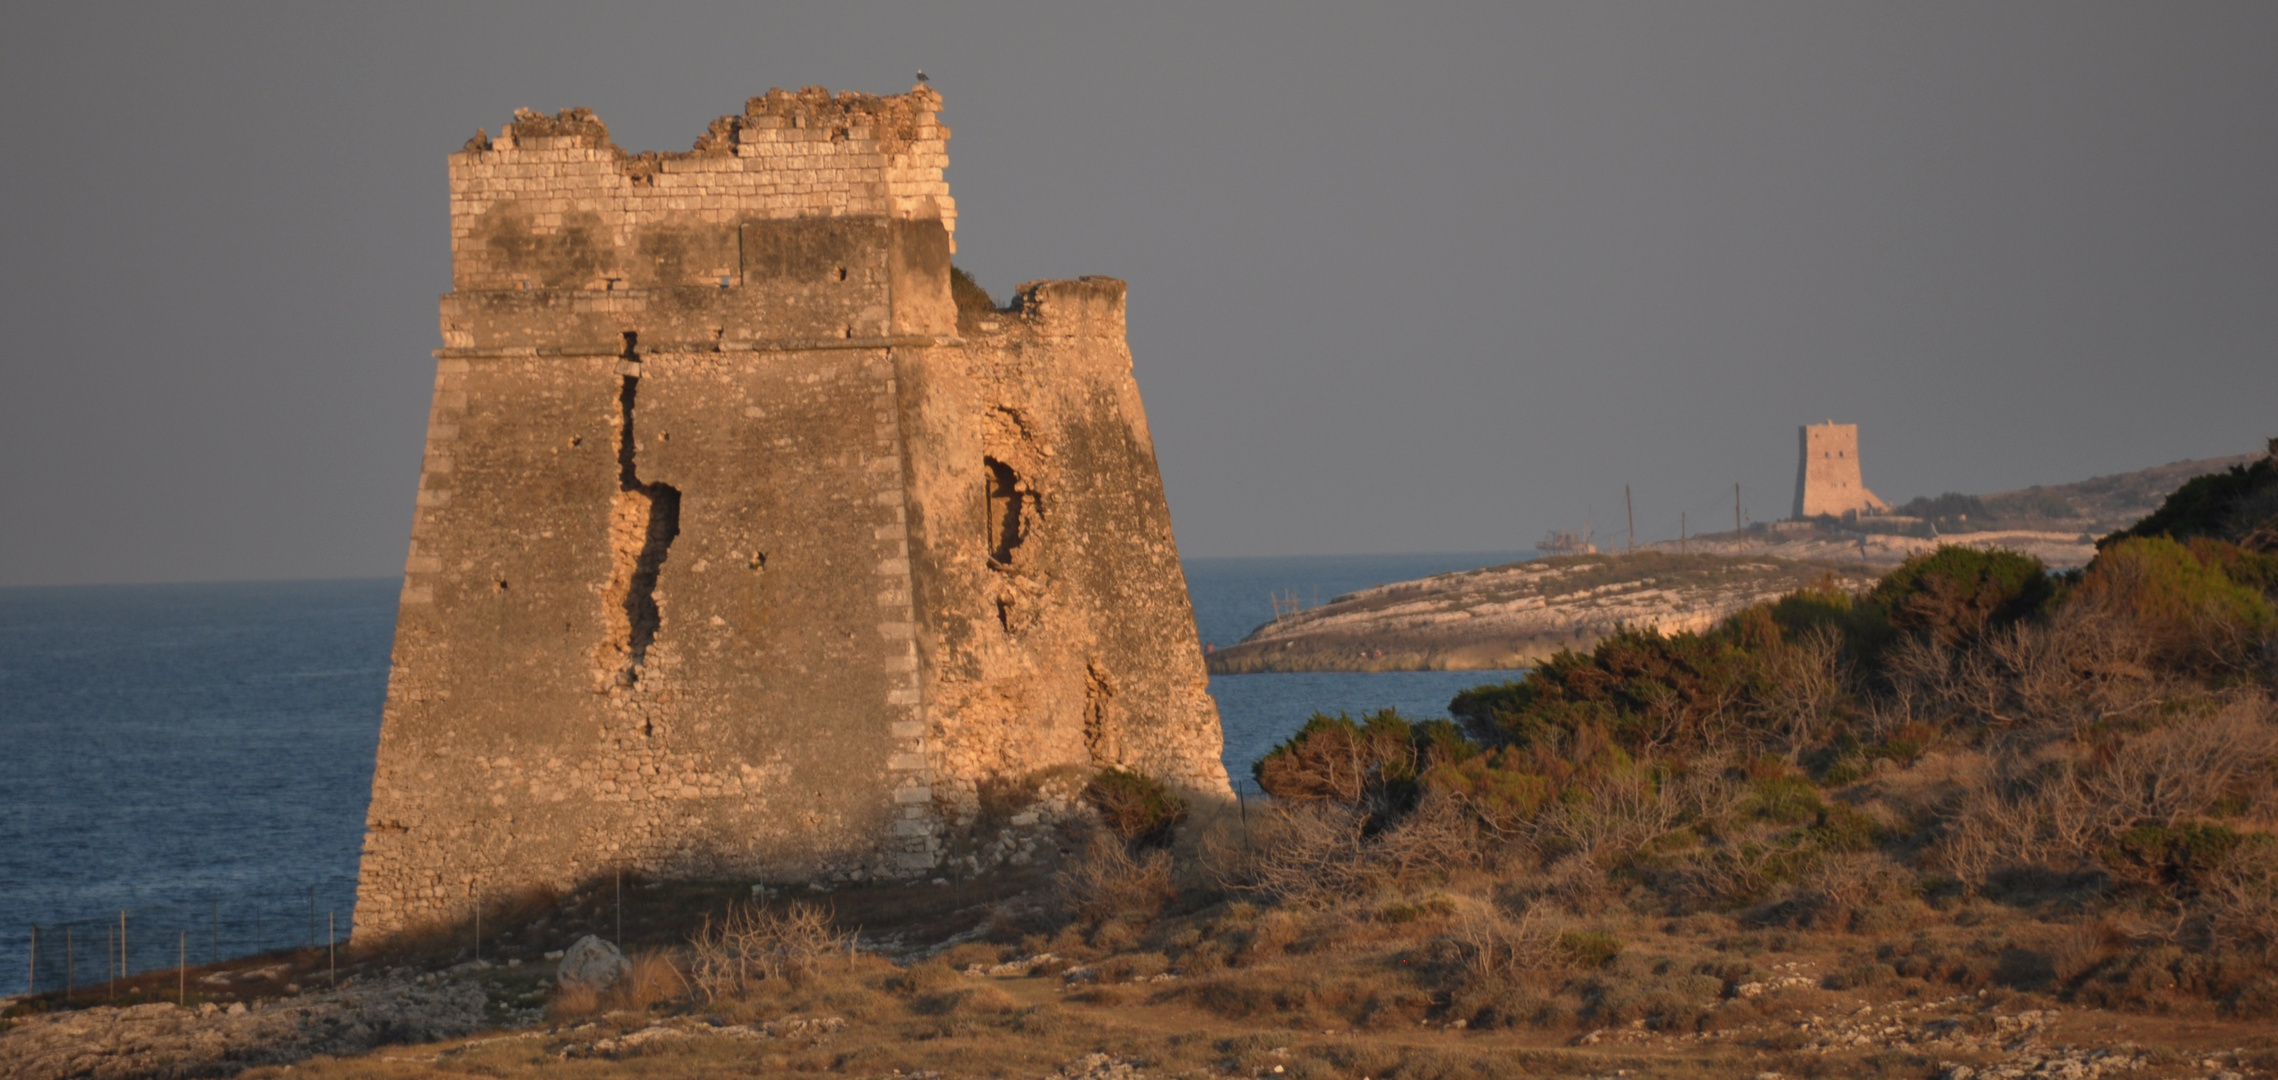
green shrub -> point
(2182, 599)
(1956, 594)
(2209, 505)
(1373, 763)
(1430, 907)
(1783, 799)
(1842, 827)
(2184, 856)
(1138, 807)
(1499, 789)
(1588, 948)
(1907, 743)
(1825, 605)
(1645, 689)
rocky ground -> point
(477, 1020)
(165, 1039)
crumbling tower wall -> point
(1828, 482)
(736, 554)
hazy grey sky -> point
(1403, 277)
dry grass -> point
(750, 943)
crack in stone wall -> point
(642, 524)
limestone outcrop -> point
(740, 551)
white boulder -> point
(593, 962)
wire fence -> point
(83, 953)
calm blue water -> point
(173, 748)
(1233, 596)
(200, 756)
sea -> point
(184, 769)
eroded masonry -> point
(741, 552)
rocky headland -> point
(1514, 615)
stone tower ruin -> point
(741, 551)
(1828, 483)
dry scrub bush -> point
(1808, 689)
(1429, 842)
(2081, 666)
(1865, 891)
(1108, 881)
(1484, 944)
(2186, 767)
(1615, 815)
(2062, 805)
(1315, 855)
(751, 944)
(2241, 903)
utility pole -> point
(1735, 508)
(1681, 537)
(1632, 508)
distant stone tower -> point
(741, 551)
(1827, 478)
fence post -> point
(123, 944)
(312, 916)
(1242, 806)
(67, 964)
(331, 943)
(182, 967)
(217, 930)
(32, 980)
